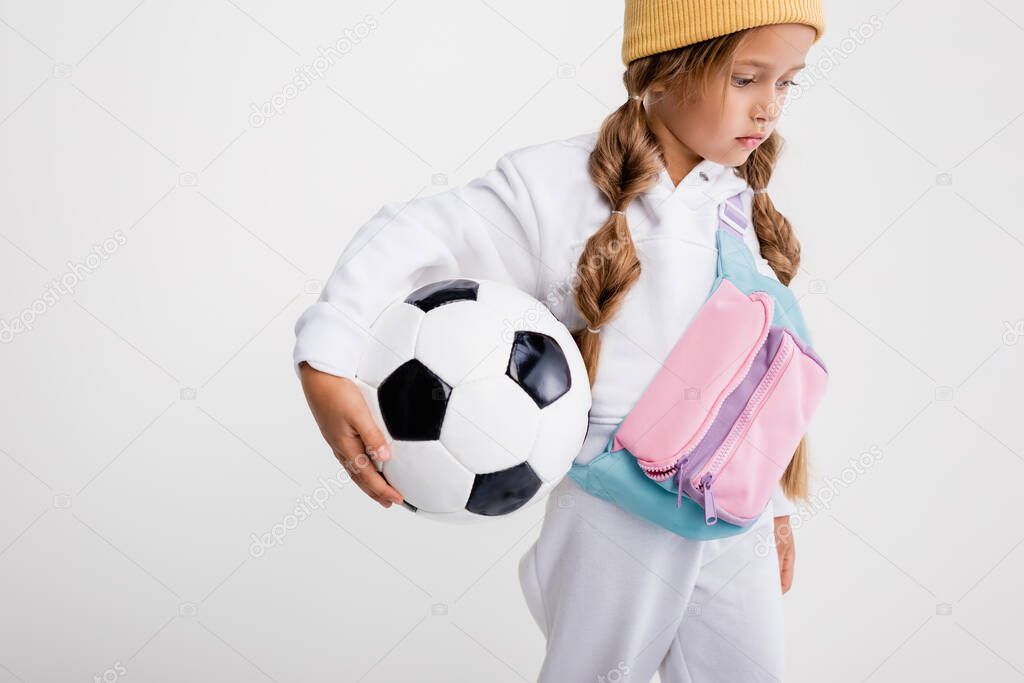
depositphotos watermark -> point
(564, 289)
(111, 675)
(303, 511)
(823, 497)
(832, 55)
(60, 287)
(616, 675)
(307, 74)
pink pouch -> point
(723, 417)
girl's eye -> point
(741, 82)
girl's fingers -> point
(786, 566)
(372, 436)
(786, 571)
(342, 415)
(363, 472)
(786, 548)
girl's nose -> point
(766, 112)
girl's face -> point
(755, 90)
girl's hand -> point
(786, 547)
(350, 430)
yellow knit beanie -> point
(653, 26)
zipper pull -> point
(679, 492)
(709, 501)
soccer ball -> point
(482, 393)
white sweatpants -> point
(619, 598)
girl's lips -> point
(750, 143)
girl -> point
(615, 231)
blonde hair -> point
(627, 160)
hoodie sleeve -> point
(485, 228)
(781, 505)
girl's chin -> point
(739, 158)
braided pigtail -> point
(625, 162)
(781, 248)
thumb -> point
(374, 439)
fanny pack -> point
(722, 418)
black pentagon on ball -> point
(501, 492)
(413, 401)
(443, 292)
(538, 365)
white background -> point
(151, 421)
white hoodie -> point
(524, 223)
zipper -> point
(659, 474)
(665, 471)
(768, 382)
(710, 514)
